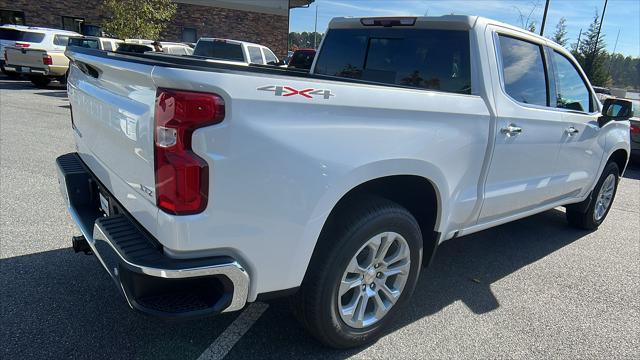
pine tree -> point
(592, 56)
(560, 35)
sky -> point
(621, 15)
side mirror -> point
(615, 110)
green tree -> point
(592, 55)
(560, 35)
(144, 19)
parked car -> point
(21, 36)
(201, 186)
(142, 46)
(302, 59)
(94, 42)
(42, 59)
(635, 131)
(234, 52)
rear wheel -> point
(601, 200)
(40, 81)
(366, 270)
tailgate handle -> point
(88, 69)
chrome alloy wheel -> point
(605, 197)
(374, 280)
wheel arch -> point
(620, 157)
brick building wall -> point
(265, 29)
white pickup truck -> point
(203, 186)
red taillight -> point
(181, 176)
(47, 60)
(635, 129)
(22, 45)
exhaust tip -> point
(80, 244)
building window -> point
(72, 23)
(12, 17)
(189, 35)
(91, 30)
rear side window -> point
(60, 40)
(572, 92)
(255, 56)
(523, 71)
(220, 50)
(419, 58)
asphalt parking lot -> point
(532, 288)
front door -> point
(580, 154)
(529, 132)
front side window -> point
(255, 55)
(523, 71)
(572, 91)
(269, 56)
(418, 58)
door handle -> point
(511, 130)
(572, 131)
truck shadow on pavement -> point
(57, 303)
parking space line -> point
(221, 346)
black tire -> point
(40, 81)
(316, 304)
(586, 220)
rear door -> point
(580, 154)
(529, 132)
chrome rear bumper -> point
(150, 281)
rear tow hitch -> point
(80, 244)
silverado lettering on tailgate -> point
(283, 90)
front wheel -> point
(601, 200)
(367, 268)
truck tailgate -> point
(25, 57)
(113, 104)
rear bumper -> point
(27, 70)
(52, 70)
(150, 281)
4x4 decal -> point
(282, 90)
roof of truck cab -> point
(231, 41)
(454, 22)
